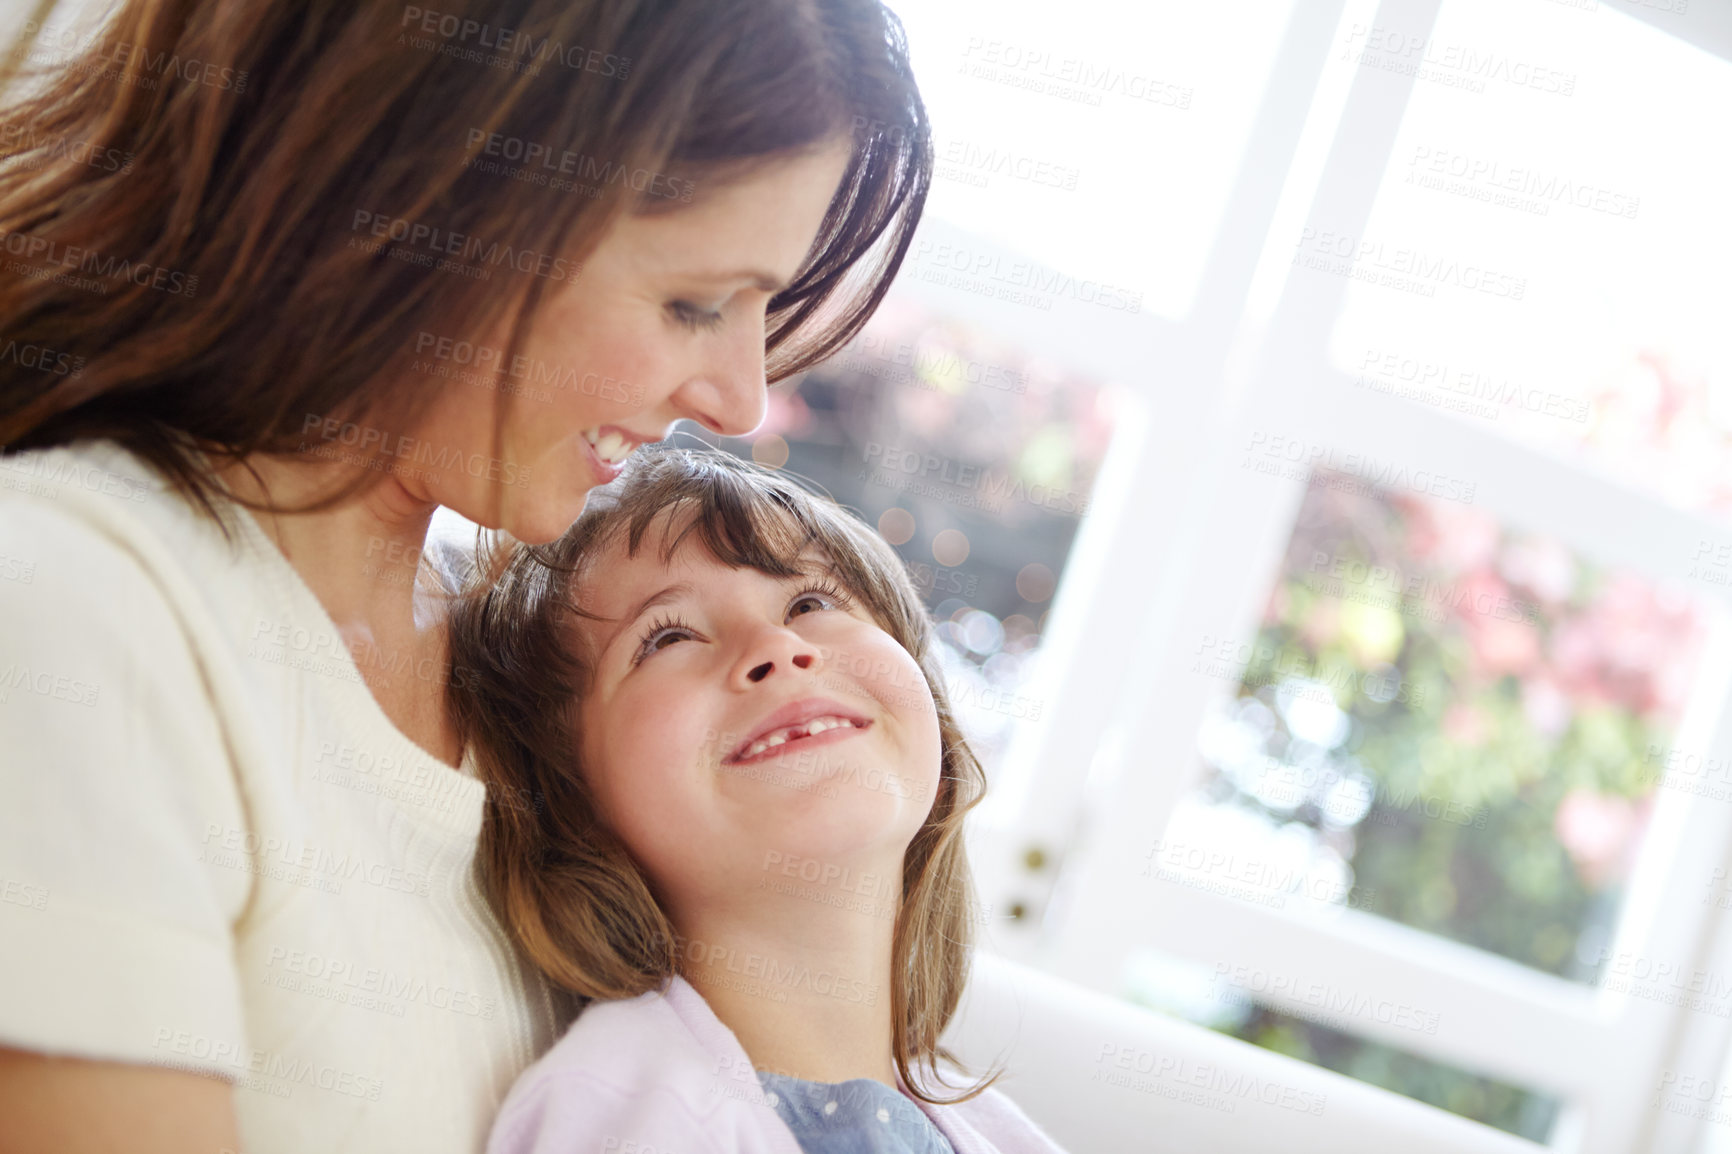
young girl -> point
(735, 827)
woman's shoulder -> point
(85, 525)
(96, 467)
(97, 490)
(91, 523)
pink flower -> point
(1599, 832)
(1456, 539)
(1503, 647)
(1573, 645)
(1465, 724)
(1545, 705)
(1319, 627)
(1541, 565)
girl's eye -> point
(821, 596)
(660, 635)
(671, 631)
(693, 317)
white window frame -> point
(1093, 783)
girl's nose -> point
(776, 648)
(759, 672)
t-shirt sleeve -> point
(116, 785)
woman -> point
(340, 264)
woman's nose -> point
(729, 395)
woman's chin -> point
(544, 520)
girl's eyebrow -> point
(672, 593)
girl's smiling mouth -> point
(815, 720)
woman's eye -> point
(693, 317)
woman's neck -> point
(806, 991)
(360, 559)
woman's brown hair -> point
(190, 199)
(565, 887)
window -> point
(1448, 725)
(1119, 128)
(1451, 311)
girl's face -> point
(665, 321)
(733, 715)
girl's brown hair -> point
(566, 888)
(188, 197)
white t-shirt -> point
(216, 851)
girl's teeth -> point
(783, 736)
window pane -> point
(1545, 252)
(1198, 994)
(976, 462)
(1053, 131)
(1444, 723)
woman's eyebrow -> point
(769, 282)
(672, 593)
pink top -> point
(661, 1074)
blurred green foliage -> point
(1511, 774)
(1504, 696)
(1485, 1100)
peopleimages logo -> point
(27, 149)
(587, 170)
(16, 678)
(41, 251)
(490, 361)
(235, 848)
(281, 1072)
(62, 46)
(371, 987)
(510, 42)
(427, 454)
(1118, 1065)
(981, 268)
(463, 246)
(59, 472)
(42, 358)
(759, 972)
(1401, 267)
(1459, 389)
(1330, 1003)
(888, 465)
